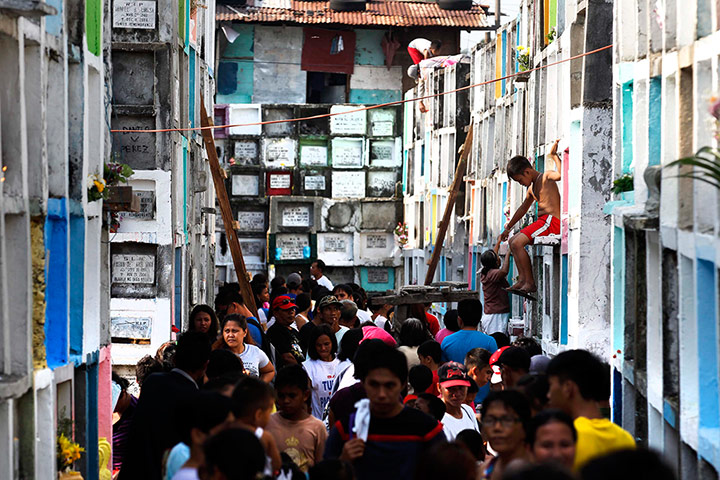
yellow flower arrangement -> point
(68, 452)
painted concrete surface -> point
(664, 118)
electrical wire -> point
(370, 107)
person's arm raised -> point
(505, 268)
(519, 213)
(553, 155)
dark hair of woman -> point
(317, 333)
(242, 323)
(212, 332)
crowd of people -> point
(324, 383)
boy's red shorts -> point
(542, 227)
(416, 55)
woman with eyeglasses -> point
(505, 419)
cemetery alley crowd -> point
(324, 384)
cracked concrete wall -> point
(592, 314)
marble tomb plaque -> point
(279, 180)
(348, 184)
(251, 221)
(296, 216)
(313, 155)
(134, 14)
(349, 123)
(289, 246)
(130, 327)
(378, 275)
(315, 182)
(376, 241)
(245, 185)
(133, 268)
(347, 152)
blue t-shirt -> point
(255, 333)
(456, 346)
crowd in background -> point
(325, 383)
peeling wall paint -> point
(37, 247)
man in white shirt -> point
(454, 383)
(317, 269)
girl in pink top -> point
(451, 325)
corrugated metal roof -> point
(395, 13)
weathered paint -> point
(235, 81)
(93, 26)
(655, 122)
(90, 371)
(77, 282)
(552, 14)
(37, 247)
(54, 23)
(706, 310)
(618, 270)
(564, 277)
(105, 408)
(192, 89)
(177, 297)
(498, 65)
(377, 287)
(374, 96)
(277, 54)
(627, 127)
(368, 47)
(689, 387)
(504, 62)
(56, 280)
(243, 46)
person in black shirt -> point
(398, 437)
(282, 335)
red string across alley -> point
(370, 107)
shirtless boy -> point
(543, 190)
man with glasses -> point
(282, 335)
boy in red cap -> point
(282, 335)
(454, 383)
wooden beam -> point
(427, 297)
(226, 211)
(450, 205)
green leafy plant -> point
(551, 35)
(705, 166)
(113, 174)
(624, 183)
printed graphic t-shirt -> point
(322, 378)
(253, 359)
(302, 440)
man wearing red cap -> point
(282, 335)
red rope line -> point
(371, 107)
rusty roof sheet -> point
(395, 13)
